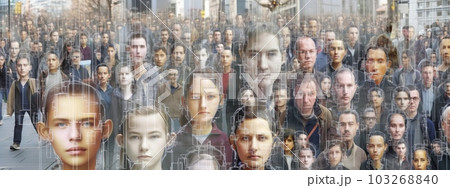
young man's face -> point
(203, 100)
(306, 158)
(138, 50)
(201, 57)
(145, 142)
(103, 75)
(400, 149)
(427, 76)
(55, 37)
(125, 76)
(345, 88)
(52, 62)
(178, 55)
(353, 35)
(263, 61)
(164, 36)
(217, 37)
(397, 127)
(337, 51)
(348, 126)
(111, 52)
(414, 101)
(226, 58)
(376, 65)
(253, 143)
(229, 35)
(402, 100)
(436, 148)
(23, 67)
(376, 147)
(75, 132)
(173, 76)
(160, 58)
(76, 56)
(105, 38)
(370, 119)
(14, 49)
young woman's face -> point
(402, 100)
(253, 143)
(420, 160)
(401, 150)
(335, 155)
(248, 98)
(325, 85)
(203, 100)
(288, 144)
(145, 142)
(302, 140)
(52, 62)
(125, 76)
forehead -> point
(376, 53)
(138, 41)
(307, 44)
(260, 39)
(202, 84)
(338, 43)
(160, 52)
(345, 77)
(347, 117)
(102, 69)
(82, 106)
(402, 94)
(256, 126)
(308, 85)
(305, 152)
(376, 140)
(445, 42)
(397, 118)
(420, 153)
(367, 114)
(353, 29)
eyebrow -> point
(82, 119)
(136, 132)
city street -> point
(31, 156)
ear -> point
(389, 63)
(221, 100)
(232, 143)
(119, 140)
(107, 129)
(43, 131)
(171, 139)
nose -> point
(263, 63)
(203, 102)
(143, 147)
(74, 132)
(253, 145)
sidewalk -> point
(31, 156)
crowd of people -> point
(160, 91)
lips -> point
(76, 150)
(144, 157)
(254, 157)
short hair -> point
(376, 47)
(400, 89)
(54, 53)
(177, 45)
(376, 89)
(341, 144)
(351, 26)
(102, 65)
(164, 29)
(137, 36)
(258, 29)
(24, 55)
(353, 112)
(341, 71)
(376, 133)
(145, 111)
(280, 85)
(394, 113)
(70, 88)
(251, 112)
(158, 48)
(425, 63)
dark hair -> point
(136, 36)
(158, 48)
(376, 133)
(250, 112)
(391, 115)
(102, 65)
(376, 89)
(353, 112)
(176, 45)
(258, 29)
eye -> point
(245, 138)
(195, 97)
(134, 137)
(87, 124)
(272, 54)
(262, 138)
(211, 96)
(155, 136)
(61, 125)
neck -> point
(349, 144)
(344, 107)
(174, 84)
(83, 45)
(103, 86)
(352, 44)
(54, 71)
(281, 108)
(412, 114)
(227, 69)
(157, 166)
(378, 82)
(126, 91)
(377, 164)
(89, 166)
(336, 65)
(24, 79)
(201, 128)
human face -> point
(248, 98)
(145, 142)
(376, 147)
(405, 33)
(200, 59)
(2, 61)
(23, 35)
(75, 132)
(376, 65)
(217, 37)
(55, 37)
(446, 126)
(229, 35)
(23, 68)
(178, 55)
(348, 126)
(313, 27)
(76, 58)
(84, 40)
(329, 36)
(445, 51)
(14, 49)
(337, 51)
(263, 61)
(402, 100)
(105, 38)
(52, 63)
(345, 88)
(253, 143)
(226, 58)
(306, 158)
(436, 148)
(447, 89)
(397, 127)
(103, 75)
(286, 36)
(281, 98)
(370, 119)
(138, 50)
(111, 52)
(173, 76)
(176, 30)
(420, 160)
(219, 48)
(427, 76)
(164, 36)
(405, 60)
(401, 150)
(305, 98)
(288, 144)
(187, 38)
(125, 76)
(335, 155)
(307, 54)
(302, 140)
(296, 65)
(203, 100)
(160, 58)
(353, 35)
(411, 33)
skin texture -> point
(253, 143)
(53, 63)
(281, 98)
(178, 55)
(348, 127)
(75, 133)
(306, 54)
(203, 100)
(376, 147)
(420, 160)
(397, 127)
(306, 158)
(376, 65)
(138, 50)
(337, 51)
(160, 58)
(306, 97)
(345, 88)
(445, 50)
(334, 155)
(427, 76)
(103, 75)
(402, 100)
